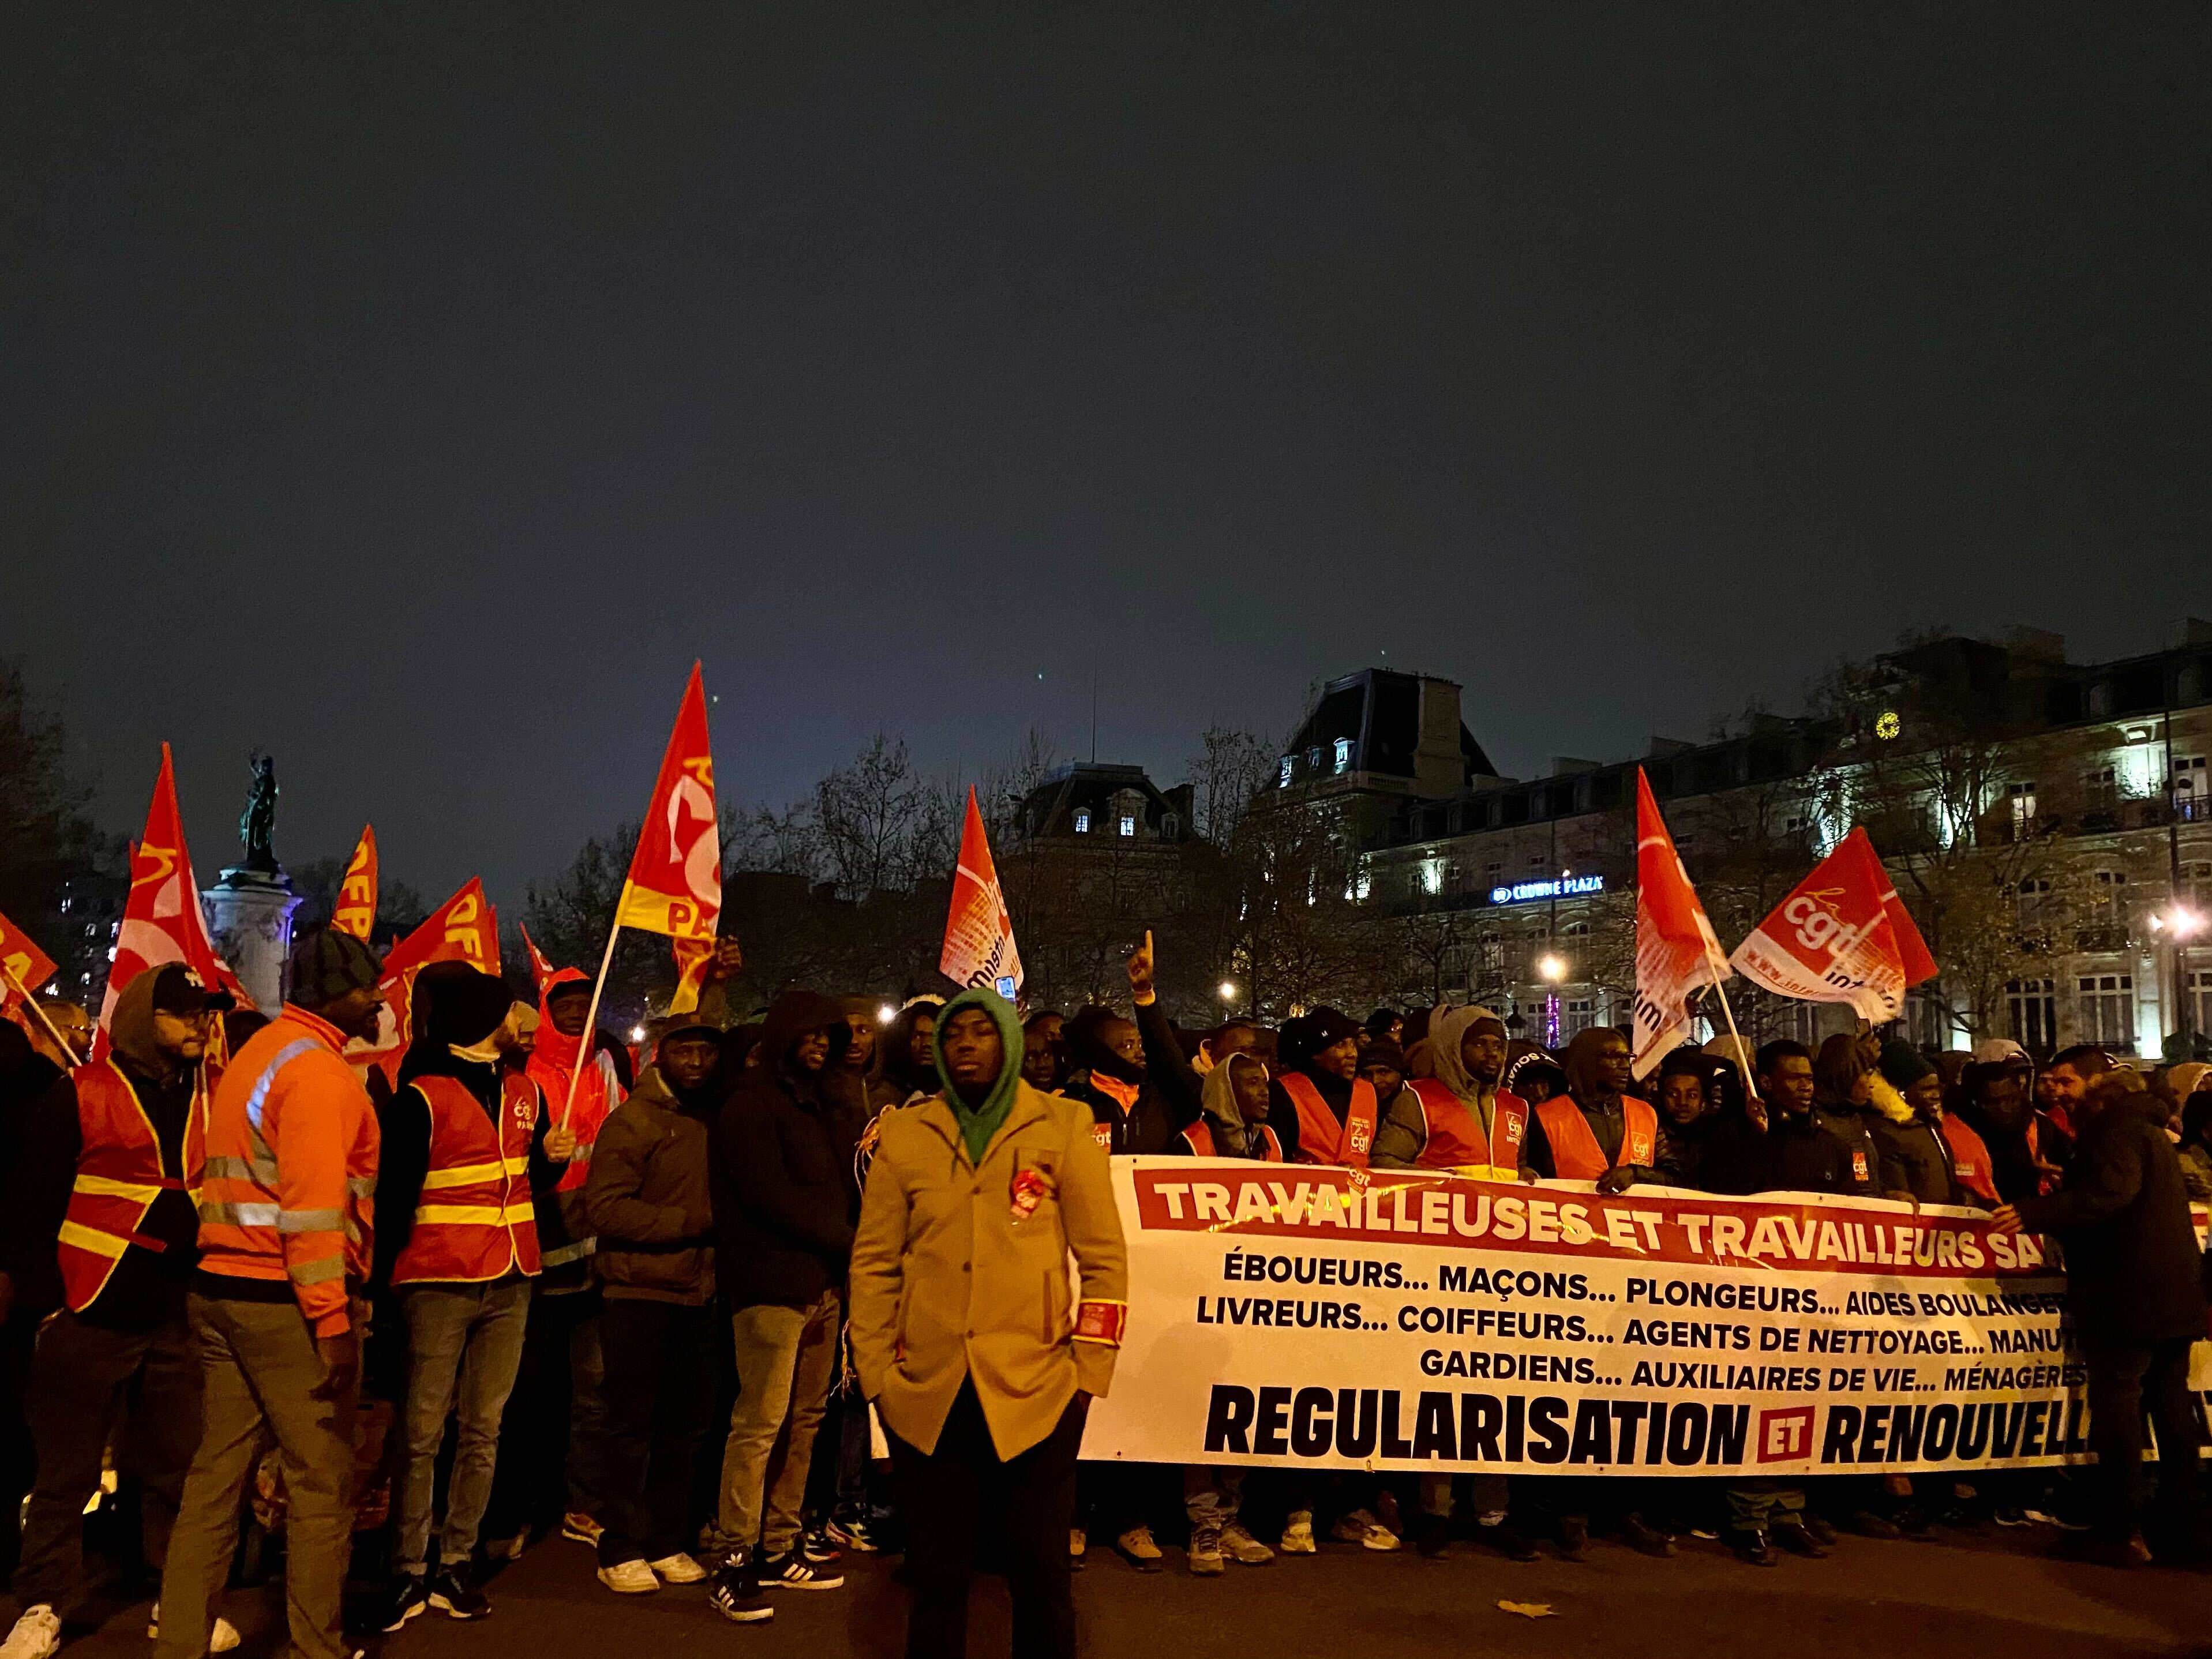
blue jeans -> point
(464, 1347)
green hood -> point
(979, 1123)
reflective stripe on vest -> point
(1576, 1155)
(120, 1176)
(475, 1220)
(1321, 1139)
(1455, 1132)
(1200, 1136)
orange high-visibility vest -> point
(120, 1176)
(1576, 1155)
(1200, 1137)
(1455, 1135)
(1321, 1139)
(475, 1220)
(1970, 1157)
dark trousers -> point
(659, 1398)
(2126, 1380)
(87, 1379)
(549, 1451)
(953, 1496)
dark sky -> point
(416, 393)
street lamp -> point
(1550, 969)
(1228, 989)
(637, 1033)
(886, 1014)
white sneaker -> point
(37, 1635)
(679, 1569)
(629, 1578)
(1297, 1534)
(223, 1639)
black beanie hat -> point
(464, 1008)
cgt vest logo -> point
(1514, 1128)
(1858, 1165)
(1359, 1134)
(1103, 1134)
(1639, 1148)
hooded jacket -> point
(148, 1287)
(1606, 1115)
(1129, 1113)
(564, 1232)
(1232, 1137)
(783, 1209)
(960, 1269)
(1404, 1133)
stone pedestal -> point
(249, 917)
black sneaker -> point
(1752, 1549)
(409, 1594)
(453, 1592)
(734, 1590)
(793, 1570)
(818, 1546)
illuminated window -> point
(1082, 823)
(1343, 753)
(2192, 790)
(2031, 1010)
(1286, 781)
(1129, 823)
(2021, 797)
(1432, 875)
(2200, 992)
(2108, 1011)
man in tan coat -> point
(965, 1334)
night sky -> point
(417, 393)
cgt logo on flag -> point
(1785, 1436)
(979, 933)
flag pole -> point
(587, 1050)
(1715, 961)
(31, 1003)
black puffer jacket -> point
(783, 1212)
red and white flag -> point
(979, 933)
(675, 883)
(464, 928)
(1676, 950)
(355, 912)
(162, 922)
(1841, 936)
(23, 968)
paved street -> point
(1872, 1601)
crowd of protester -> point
(520, 1281)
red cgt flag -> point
(1677, 951)
(162, 922)
(355, 912)
(675, 884)
(23, 968)
(1841, 936)
(464, 928)
(979, 934)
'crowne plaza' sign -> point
(1564, 887)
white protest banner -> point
(1289, 1314)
